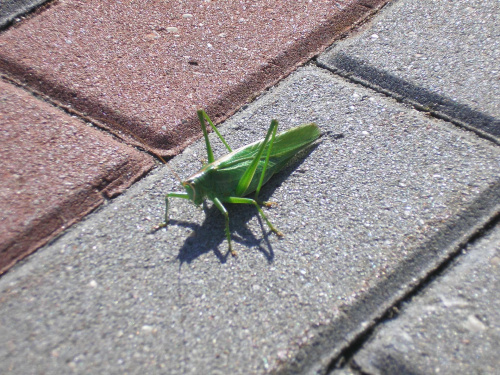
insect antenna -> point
(168, 166)
(143, 146)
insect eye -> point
(190, 190)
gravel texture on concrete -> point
(54, 170)
(12, 9)
(442, 56)
(141, 69)
(365, 217)
(453, 327)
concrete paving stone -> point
(141, 69)
(365, 217)
(346, 371)
(452, 327)
(12, 9)
(442, 56)
(54, 170)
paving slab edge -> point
(282, 65)
(23, 11)
(52, 224)
(316, 357)
(442, 110)
(49, 226)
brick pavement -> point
(140, 70)
(370, 219)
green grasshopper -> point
(242, 171)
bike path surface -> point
(366, 216)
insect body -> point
(243, 171)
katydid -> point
(243, 171)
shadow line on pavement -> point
(423, 99)
(210, 234)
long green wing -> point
(222, 177)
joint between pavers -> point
(165, 144)
(346, 356)
(89, 121)
(26, 13)
(351, 77)
(401, 284)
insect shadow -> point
(210, 234)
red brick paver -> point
(141, 68)
(54, 170)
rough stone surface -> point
(141, 69)
(442, 56)
(365, 217)
(11, 9)
(452, 327)
(54, 170)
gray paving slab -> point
(345, 371)
(12, 9)
(442, 56)
(364, 217)
(453, 327)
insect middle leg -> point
(222, 209)
(254, 202)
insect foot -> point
(158, 227)
(270, 204)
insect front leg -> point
(254, 202)
(170, 195)
(222, 209)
